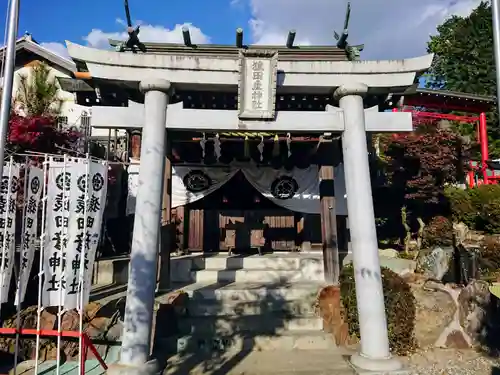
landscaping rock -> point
(434, 264)
(461, 232)
(330, 309)
(388, 253)
(473, 302)
(397, 265)
(456, 340)
(434, 312)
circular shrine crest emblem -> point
(97, 182)
(63, 178)
(35, 185)
(4, 186)
(82, 183)
(284, 187)
(196, 181)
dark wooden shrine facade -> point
(201, 225)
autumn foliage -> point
(420, 164)
(38, 134)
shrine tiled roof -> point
(450, 94)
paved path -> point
(300, 362)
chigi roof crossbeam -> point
(341, 51)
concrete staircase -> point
(252, 303)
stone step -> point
(249, 292)
(271, 261)
(224, 325)
(254, 275)
(246, 341)
(214, 308)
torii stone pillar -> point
(136, 338)
(374, 354)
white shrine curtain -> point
(296, 190)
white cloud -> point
(149, 33)
(390, 29)
(57, 48)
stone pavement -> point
(298, 362)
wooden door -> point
(281, 229)
(195, 230)
(226, 217)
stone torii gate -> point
(257, 75)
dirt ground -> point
(452, 362)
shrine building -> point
(252, 149)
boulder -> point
(388, 253)
(434, 312)
(397, 265)
(435, 264)
(473, 303)
(461, 232)
(330, 309)
(456, 340)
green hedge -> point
(478, 208)
(399, 306)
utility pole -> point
(8, 77)
(495, 12)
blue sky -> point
(389, 28)
(54, 22)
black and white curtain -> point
(296, 190)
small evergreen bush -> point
(490, 254)
(478, 208)
(399, 306)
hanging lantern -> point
(260, 147)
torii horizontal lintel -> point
(208, 120)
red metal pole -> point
(483, 142)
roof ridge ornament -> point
(353, 52)
(133, 43)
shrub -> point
(490, 254)
(399, 306)
(462, 205)
(439, 232)
(478, 208)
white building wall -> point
(70, 110)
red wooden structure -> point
(422, 102)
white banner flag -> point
(88, 199)
(32, 195)
(56, 232)
(8, 204)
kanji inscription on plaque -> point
(257, 84)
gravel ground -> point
(452, 362)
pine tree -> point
(465, 62)
(38, 92)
